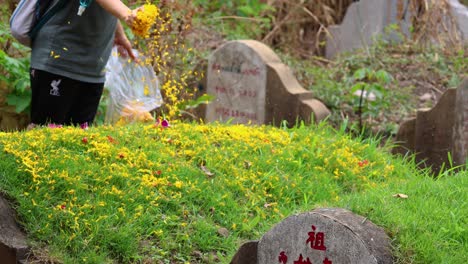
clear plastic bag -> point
(133, 90)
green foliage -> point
(237, 19)
(15, 71)
(194, 103)
(410, 68)
(369, 92)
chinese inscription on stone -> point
(237, 78)
(325, 236)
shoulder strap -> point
(47, 16)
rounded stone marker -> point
(325, 236)
(13, 244)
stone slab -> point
(404, 138)
(460, 128)
(433, 133)
(364, 21)
(247, 254)
(237, 77)
(13, 245)
(438, 136)
(252, 86)
(460, 12)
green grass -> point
(146, 194)
(430, 226)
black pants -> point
(61, 100)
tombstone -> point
(13, 246)
(364, 21)
(322, 236)
(460, 13)
(252, 86)
(438, 132)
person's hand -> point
(124, 46)
(130, 18)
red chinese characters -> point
(283, 259)
(236, 68)
(253, 71)
(235, 113)
(234, 92)
(316, 240)
(224, 90)
(301, 260)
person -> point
(68, 58)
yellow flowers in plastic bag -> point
(134, 112)
(145, 18)
(133, 90)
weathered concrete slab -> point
(324, 236)
(460, 12)
(247, 254)
(367, 20)
(439, 132)
(460, 126)
(364, 21)
(252, 86)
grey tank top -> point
(73, 46)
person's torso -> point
(75, 46)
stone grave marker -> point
(322, 236)
(13, 244)
(460, 12)
(436, 132)
(252, 86)
(365, 20)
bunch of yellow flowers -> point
(145, 18)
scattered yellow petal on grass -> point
(178, 184)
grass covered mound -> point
(193, 193)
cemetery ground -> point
(192, 193)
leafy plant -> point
(237, 19)
(14, 71)
(369, 91)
